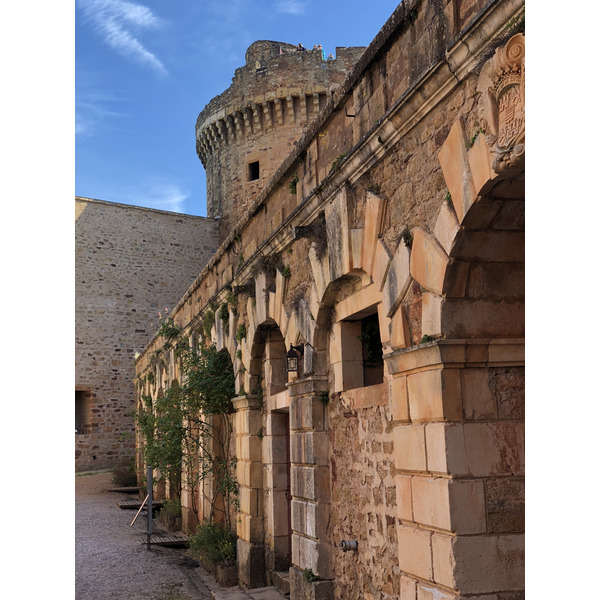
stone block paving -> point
(112, 563)
(264, 593)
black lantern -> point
(292, 357)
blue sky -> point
(144, 70)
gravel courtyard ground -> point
(112, 563)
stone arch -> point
(263, 447)
(459, 399)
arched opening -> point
(484, 285)
(483, 311)
(264, 460)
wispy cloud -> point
(290, 7)
(90, 110)
(119, 22)
(160, 195)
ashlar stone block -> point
(478, 401)
(428, 261)
(446, 227)
(404, 508)
(431, 310)
(455, 167)
(409, 448)
(373, 215)
(435, 394)
(397, 281)
(400, 333)
(381, 264)
(480, 164)
(414, 551)
(398, 398)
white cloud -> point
(118, 22)
(164, 196)
(90, 110)
(290, 7)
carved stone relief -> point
(502, 111)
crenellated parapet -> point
(247, 130)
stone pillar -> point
(459, 455)
(275, 454)
(250, 529)
(310, 488)
(279, 110)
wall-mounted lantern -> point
(292, 357)
(347, 545)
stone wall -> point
(408, 212)
(130, 263)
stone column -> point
(311, 490)
(459, 455)
(250, 529)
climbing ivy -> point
(188, 430)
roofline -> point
(144, 208)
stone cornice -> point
(457, 353)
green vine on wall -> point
(190, 421)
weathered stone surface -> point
(130, 264)
(409, 447)
(455, 166)
(414, 551)
(435, 395)
(397, 280)
(381, 264)
(446, 227)
(404, 477)
(375, 207)
(428, 261)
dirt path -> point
(111, 563)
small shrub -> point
(338, 159)
(426, 338)
(285, 272)
(168, 329)
(213, 544)
(324, 398)
(240, 334)
(208, 320)
(294, 184)
(517, 24)
(123, 473)
(471, 142)
(224, 312)
(309, 575)
(171, 507)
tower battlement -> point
(252, 126)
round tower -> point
(244, 134)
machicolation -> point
(247, 130)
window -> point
(372, 351)
(253, 171)
(82, 412)
(359, 345)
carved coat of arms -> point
(502, 116)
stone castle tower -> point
(243, 134)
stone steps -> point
(264, 593)
(281, 580)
